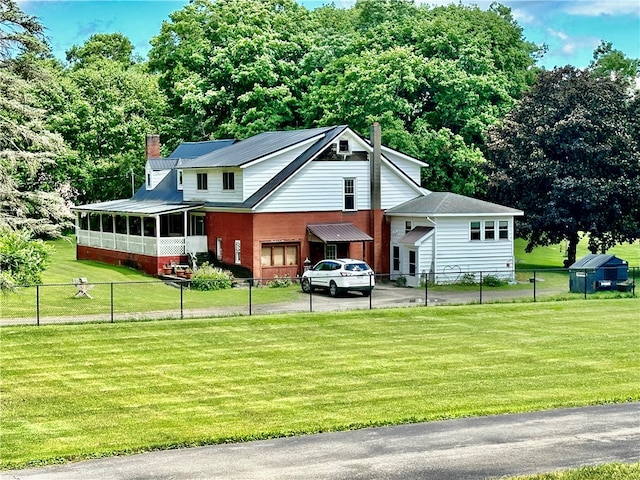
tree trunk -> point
(572, 249)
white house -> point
(278, 200)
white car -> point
(338, 276)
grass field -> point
(79, 391)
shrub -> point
(401, 281)
(280, 282)
(468, 279)
(493, 281)
(207, 278)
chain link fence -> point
(85, 301)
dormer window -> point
(343, 146)
(179, 179)
(148, 180)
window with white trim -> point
(179, 179)
(331, 251)
(219, 248)
(489, 230)
(474, 231)
(228, 181)
(503, 230)
(408, 226)
(349, 194)
(203, 181)
(236, 250)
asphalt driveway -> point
(462, 449)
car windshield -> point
(356, 267)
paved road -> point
(463, 449)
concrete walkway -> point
(463, 449)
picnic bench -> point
(83, 287)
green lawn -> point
(79, 391)
(614, 471)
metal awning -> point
(336, 233)
(415, 235)
(136, 207)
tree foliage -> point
(22, 258)
(568, 156)
(30, 197)
(239, 67)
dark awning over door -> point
(336, 233)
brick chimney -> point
(153, 146)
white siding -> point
(214, 192)
(156, 177)
(410, 167)
(456, 254)
(394, 188)
(256, 175)
(319, 187)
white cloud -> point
(595, 8)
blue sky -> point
(570, 28)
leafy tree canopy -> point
(568, 156)
(100, 46)
(30, 197)
(232, 68)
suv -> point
(338, 276)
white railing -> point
(161, 247)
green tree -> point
(22, 258)
(30, 197)
(607, 61)
(104, 106)
(568, 156)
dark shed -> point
(596, 272)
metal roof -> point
(197, 149)
(136, 207)
(415, 235)
(162, 163)
(165, 191)
(446, 203)
(594, 260)
(254, 148)
(336, 232)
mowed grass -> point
(78, 391)
(614, 471)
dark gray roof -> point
(336, 232)
(594, 260)
(162, 163)
(255, 147)
(446, 203)
(197, 149)
(414, 235)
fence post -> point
(250, 292)
(426, 289)
(585, 283)
(370, 293)
(534, 285)
(481, 287)
(310, 294)
(111, 284)
(38, 305)
(181, 300)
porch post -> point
(157, 217)
(184, 220)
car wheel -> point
(333, 289)
(306, 285)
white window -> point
(331, 251)
(219, 248)
(408, 226)
(148, 180)
(179, 179)
(203, 181)
(349, 194)
(489, 230)
(474, 231)
(503, 230)
(228, 181)
(236, 249)
(197, 224)
(343, 146)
